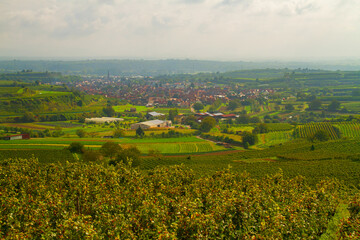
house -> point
(151, 124)
(17, 137)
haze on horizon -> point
(196, 29)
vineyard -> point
(272, 138)
(340, 159)
(70, 201)
(178, 148)
(274, 127)
(349, 129)
(308, 130)
(44, 155)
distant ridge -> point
(158, 67)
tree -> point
(249, 139)
(321, 135)
(334, 106)
(243, 118)
(109, 111)
(191, 120)
(81, 133)
(118, 133)
(233, 104)
(140, 132)
(315, 104)
(110, 149)
(129, 156)
(76, 147)
(28, 117)
(261, 128)
(207, 124)
(92, 156)
(255, 120)
(172, 114)
(198, 106)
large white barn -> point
(151, 124)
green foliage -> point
(140, 132)
(350, 227)
(92, 156)
(81, 133)
(191, 120)
(334, 106)
(255, 120)
(198, 106)
(249, 138)
(321, 135)
(110, 149)
(243, 119)
(207, 124)
(76, 147)
(128, 156)
(44, 155)
(233, 104)
(28, 117)
(172, 114)
(315, 104)
(261, 128)
(118, 133)
(165, 203)
(109, 111)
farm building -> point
(154, 114)
(103, 120)
(151, 124)
(17, 137)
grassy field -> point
(184, 145)
(122, 108)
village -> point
(149, 92)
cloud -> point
(234, 29)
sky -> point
(235, 30)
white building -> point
(103, 120)
(151, 124)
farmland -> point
(268, 154)
(310, 129)
(71, 201)
(185, 145)
(349, 130)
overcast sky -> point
(194, 29)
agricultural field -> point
(309, 129)
(275, 127)
(273, 138)
(122, 108)
(349, 129)
(70, 201)
(44, 156)
(339, 158)
(184, 145)
(352, 106)
(179, 147)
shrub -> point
(76, 147)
